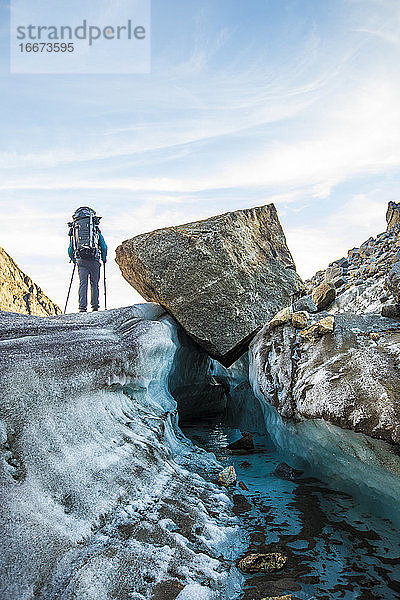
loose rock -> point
(285, 471)
(287, 597)
(391, 310)
(244, 443)
(323, 295)
(227, 477)
(283, 316)
(343, 262)
(257, 563)
(325, 325)
(243, 486)
(333, 273)
(305, 304)
(300, 320)
(340, 281)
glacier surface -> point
(101, 494)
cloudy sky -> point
(248, 102)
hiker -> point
(86, 247)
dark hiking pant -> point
(86, 269)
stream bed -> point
(336, 548)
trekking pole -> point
(105, 287)
(69, 290)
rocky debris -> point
(18, 293)
(300, 319)
(222, 278)
(348, 378)
(227, 477)
(285, 471)
(260, 563)
(244, 443)
(391, 310)
(323, 295)
(367, 297)
(325, 325)
(281, 317)
(373, 260)
(393, 215)
(333, 273)
(305, 304)
(340, 282)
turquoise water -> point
(336, 549)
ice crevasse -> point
(102, 496)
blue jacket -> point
(102, 246)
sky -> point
(248, 102)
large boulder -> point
(221, 278)
(323, 295)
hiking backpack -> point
(84, 232)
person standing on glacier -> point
(86, 247)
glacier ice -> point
(367, 468)
(101, 494)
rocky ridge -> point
(373, 260)
(18, 293)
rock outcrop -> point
(342, 367)
(221, 278)
(373, 260)
(18, 293)
(393, 215)
(348, 377)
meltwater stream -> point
(336, 549)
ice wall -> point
(367, 468)
(101, 495)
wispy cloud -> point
(296, 106)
